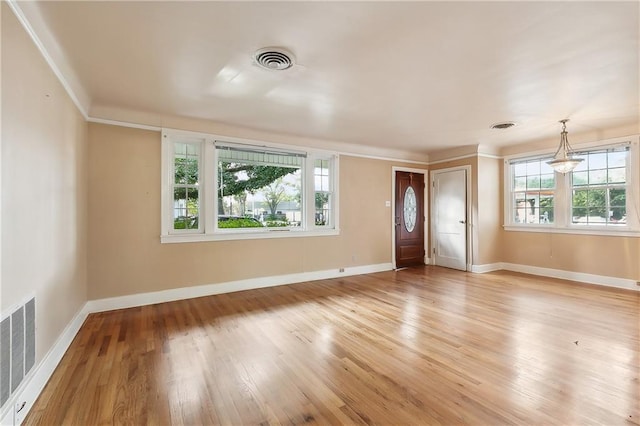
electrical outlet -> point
(341, 270)
(19, 413)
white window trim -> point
(562, 223)
(207, 225)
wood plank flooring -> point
(420, 346)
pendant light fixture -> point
(564, 160)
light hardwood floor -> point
(419, 346)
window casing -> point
(599, 197)
(225, 188)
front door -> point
(450, 218)
(409, 219)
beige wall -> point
(600, 255)
(44, 188)
(125, 254)
(490, 212)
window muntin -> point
(533, 189)
(214, 201)
(599, 188)
(186, 193)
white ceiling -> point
(414, 76)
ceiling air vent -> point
(503, 126)
(274, 58)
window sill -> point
(230, 236)
(574, 230)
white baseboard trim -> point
(35, 381)
(151, 298)
(624, 283)
(488, 267)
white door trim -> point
(469, 220)
(424, 172)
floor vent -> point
(17, 348)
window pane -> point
(185, 208)
(546, 208)
(256, 193)
(520, 169)
(580, 198)
(186, 163)
(580, 178)
(601, 197)
(321, 175)
(323, 209)
(193, 208)
(325, 183)
(580, 215)
(532, 210)
(533, 182)
(618, 197)
(192, 150)
(617, 175)
(598, 161)
(617, 159)
(597, 177)
(520, 183)
(533, 167)
(180, 149)
(520, 204)
(618, 215)
(547, 181)
(596, 198)
(534, 216)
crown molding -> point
(30, 19)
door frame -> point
(424, 172)
(469, 219)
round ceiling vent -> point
(274, 58)
(503, 126)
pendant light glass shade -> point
(564, 160)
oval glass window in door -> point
(410, 209)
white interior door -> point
(450, 218)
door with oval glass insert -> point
(409, 219)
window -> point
(599, 188)
(259, 188)
(217, 190)
(599, 196)
(533, 191)
(185, 187)
(323, 194)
